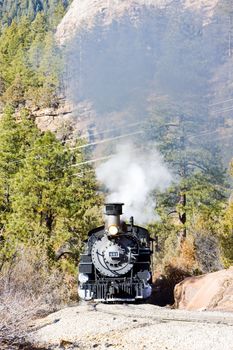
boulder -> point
(212, 291)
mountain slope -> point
(124, 56)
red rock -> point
(213, 291)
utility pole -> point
(183, 174)
(229, 34)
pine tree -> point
(15, 139)
(14, 10)
(31, 63)
(45, 199)
(50, 203)
(194, 204)
(226, 231)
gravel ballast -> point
(105, 326)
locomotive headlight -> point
(113, 230)
(83, 278)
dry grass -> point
(29, 288)
(178, 263)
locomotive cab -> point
(116, 264)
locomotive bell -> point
(113, 222)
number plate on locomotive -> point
(114, 254)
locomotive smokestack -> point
(113, 212)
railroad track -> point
(170, 315)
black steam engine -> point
(116, 264)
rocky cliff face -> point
(84, 14)
(121, 55)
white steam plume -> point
(131, 176)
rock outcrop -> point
(52, 118)
(82, 13)
(65, 116)
(213, 291)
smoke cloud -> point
(131, 176)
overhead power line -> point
(202, 134)
(221, 137)
(227, 109)
(91, 161)
(66, 148)
(107, 140)
(220, 102)
(110, 130)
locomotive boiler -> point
(116, 263)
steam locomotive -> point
(116, 263)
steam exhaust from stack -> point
(132, 176)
